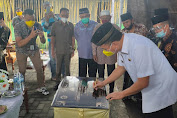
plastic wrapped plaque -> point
(76, 98)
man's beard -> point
(130, 27)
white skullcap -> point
(104, 13)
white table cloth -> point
(13, 106)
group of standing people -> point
(62, 35)
(145, 67)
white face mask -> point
(64, 20)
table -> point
(76, 98)
(13, 105)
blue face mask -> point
(161, 34)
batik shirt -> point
(139, 29)
(16, 20)
(22, 30)
(4, 37)
(169, 49)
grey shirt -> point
(22, 30)
(63, 37)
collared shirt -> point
(63, 37)
(101, 58)
(83, 36)
(139, 29)
(16, 20)
(169, 49)
(22, 30)
(142, 58)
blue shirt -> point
(83, 36)
(47, 26)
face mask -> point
(30, 23)
(161, 34)
(104, 21)
(108, 53)
(19, 13)
(85, 20)
(130, 27)
(64, 20)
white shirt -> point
(142, 58)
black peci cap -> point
(83, 11)
(106, 33)
(126, 16)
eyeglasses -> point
(158, 28)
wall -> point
(143, 10)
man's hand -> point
(115, 96)
(98, 84)
(40, 33)
(33, 33)
(95, 58)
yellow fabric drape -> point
(94, 6)
(80, 113)
(7, 6)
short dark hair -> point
(64, 9)
(28, 11)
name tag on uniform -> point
(31, 47)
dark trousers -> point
(127, 83)
(164, 113)
(60, 58)
(110, 69)
(92, 67)
(3, 64)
